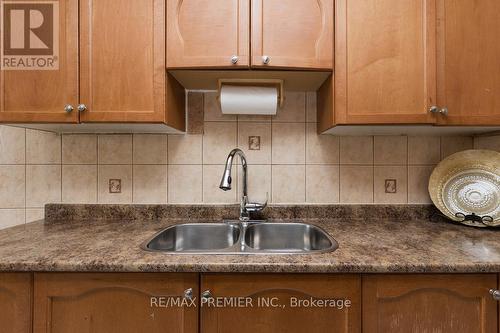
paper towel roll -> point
(248, 100)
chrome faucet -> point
(225, 184)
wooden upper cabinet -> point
(292, 33)
(40, 94)
(109, 302)
(15, 302)
(272, 303)
(208, 33)
(385, 61)
(468, 61)
(429, 303)
(122, 60)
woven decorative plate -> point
(468, 183)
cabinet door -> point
(112, 302)
(208, 33)
(468, 55)
(385, 61)
(43, 76)
(15, 302)
(122, 59)
(292, 33)
(429, 303)
(254, 297)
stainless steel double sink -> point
(234, 237)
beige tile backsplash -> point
(288, 162)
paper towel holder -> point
(255, 82)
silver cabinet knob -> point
(495, 294)
(436, 109)
(69, 108)
(266, 59)
(82, 107)
(206, 295)
(234, 59)
(188, 293)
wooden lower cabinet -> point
(277, 303)
(15, 302)
(251, 297)
(453, 303)
(112, 303)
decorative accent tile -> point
(109, 189)
(390, 184)
(79, 149)
(254, 143)
(150, 149)
(288, 143)
(115, 186)
(356, 150)
(262, 131)
(115, 149)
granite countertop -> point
(368, 244)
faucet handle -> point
(256, 207)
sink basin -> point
(195, 237)
(234, 237)
(288, 237)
